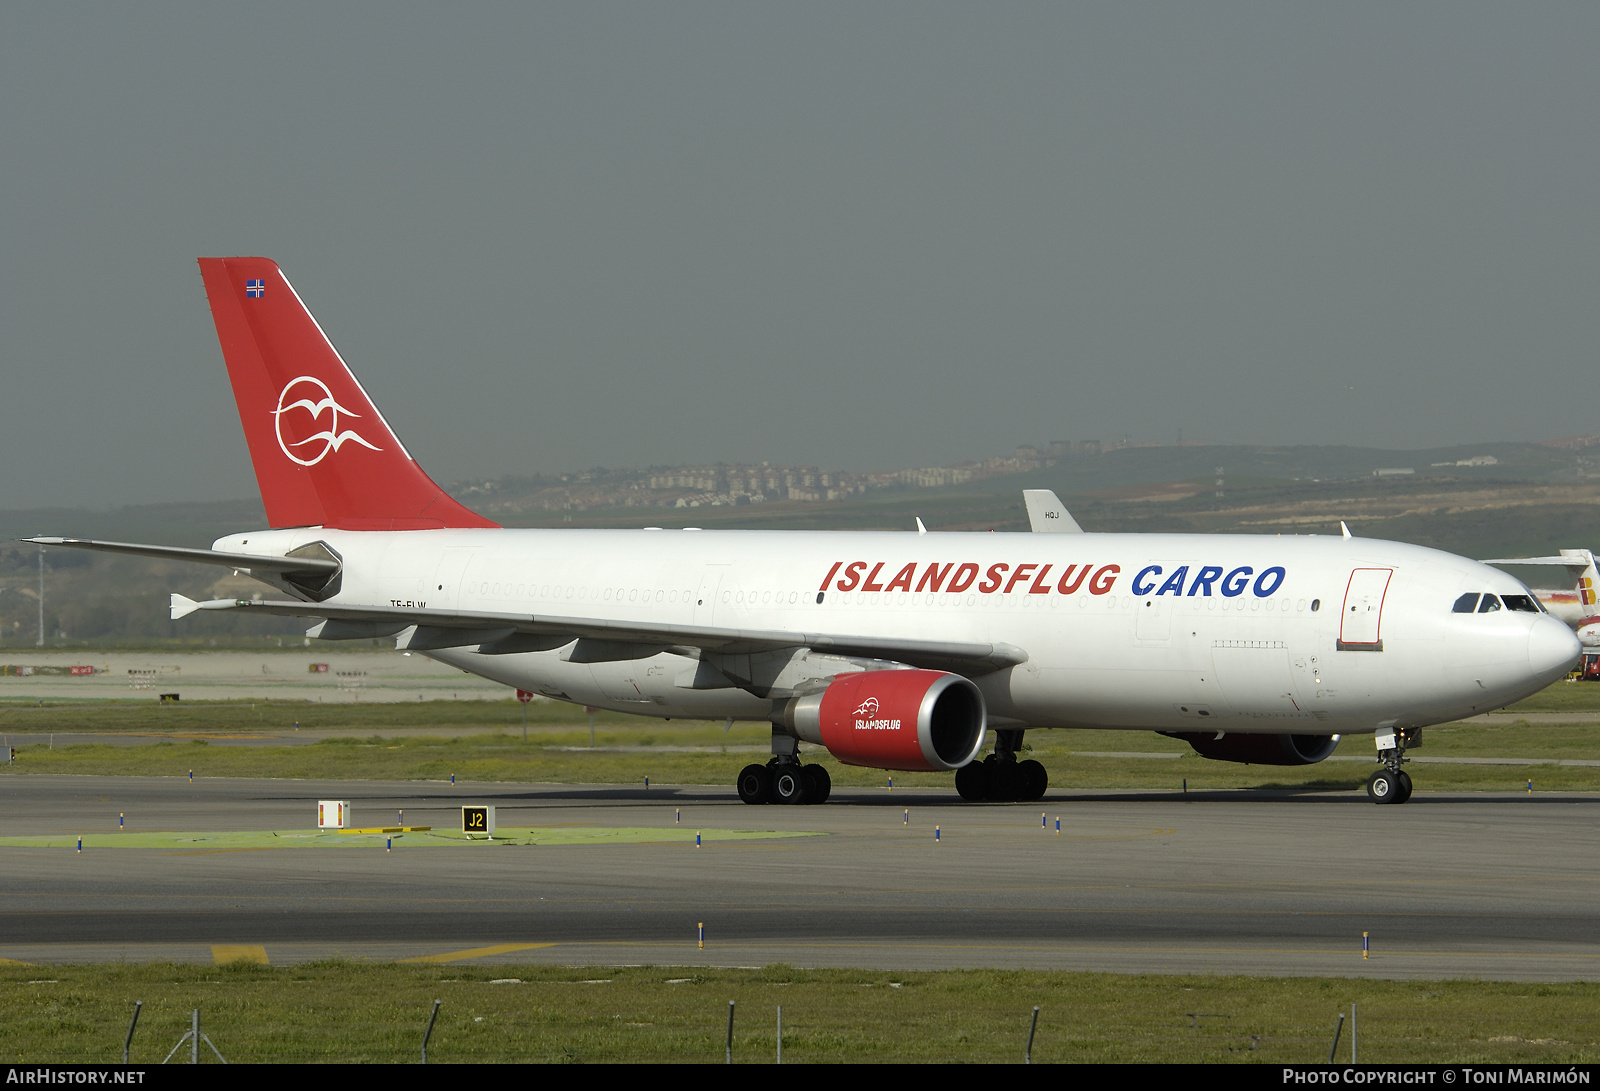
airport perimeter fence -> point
(695, 1027)
(756, 1051)
(194, 1037)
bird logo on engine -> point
(869, 708)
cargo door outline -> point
(449, 576)
(1255, 679)
(1361, 618)
(1152, 621)
(705, 610)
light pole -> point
(41, 596)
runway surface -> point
(1449, 885)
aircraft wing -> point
(601, 640)
(1046, 513)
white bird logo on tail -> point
(332, 439)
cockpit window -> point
(1472, 602)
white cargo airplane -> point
(892, 650)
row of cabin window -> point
(1470, 603)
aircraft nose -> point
(1553, 648)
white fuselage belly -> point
(1182, 649)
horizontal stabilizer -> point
(239, 562)
(1046, 513)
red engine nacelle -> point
(1259, 749)
(894, 719)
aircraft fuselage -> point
(1311, 634)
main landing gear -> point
(784, 782)
(1391, 783)
(1001, 778)
(784, 779)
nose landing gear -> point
(1391, 783)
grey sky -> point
(863, 236)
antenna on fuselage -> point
(1345, 530)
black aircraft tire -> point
(820, 786)
(1035, 778)
(1383, 787)
(789, 784)
(1405, 786)
(755, 784)
(972, 782)
(1006, 782)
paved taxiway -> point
(1469, 884)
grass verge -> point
(368, 1012)
(506, 759)
(482, 741)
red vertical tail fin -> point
(323, 454)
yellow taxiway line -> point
(224, 953)
(478, 952)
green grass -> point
(1562, 697)
(363, 1012)
(505, 759)
(484, 744)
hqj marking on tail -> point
(891, 650)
